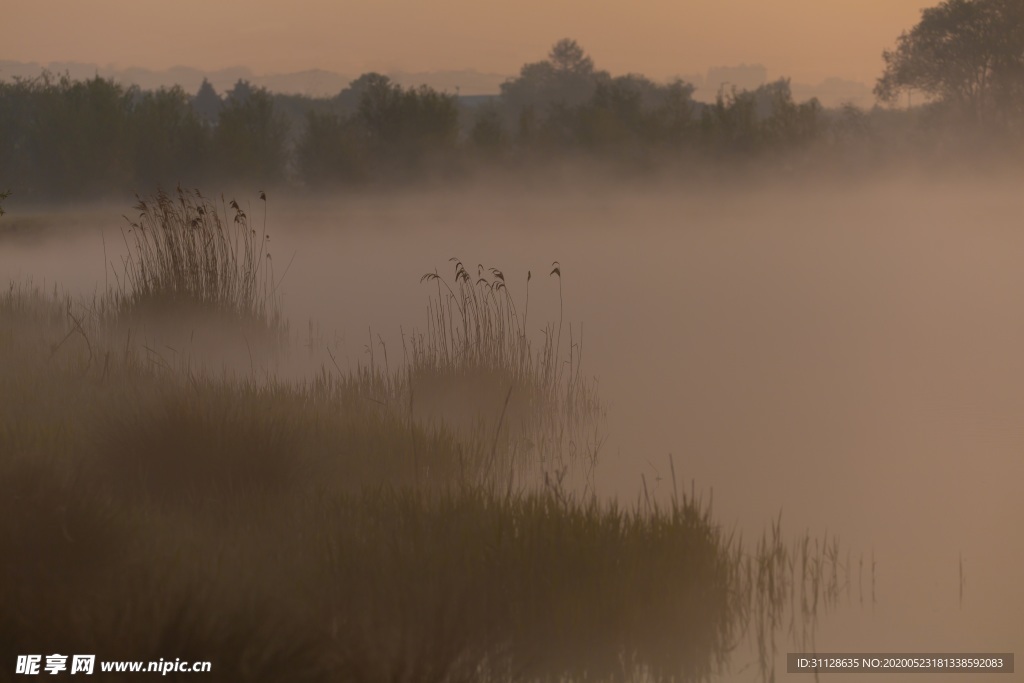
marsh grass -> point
(784, 587)
(198, 442)
(26, 307)
(472, 585)
(315, 531)
(476, 367)
(189, 257)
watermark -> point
(35, 665)
(889, 662)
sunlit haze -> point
(807, 40)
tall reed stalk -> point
(477, 360)
(187, 254)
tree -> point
(170, 142)
(76, 140)
(331, 150)
(615, 115)
(634, 110)
(347, 101)
(567, 77)
(567, 57)
(380, 106)
(488, 134)
(406, 124)
(732, 124)
(250, 139)
(966, 53)
(207, 104)
(242, 91)
(790, 125)
(673, 111)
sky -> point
(807, 40)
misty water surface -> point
(851, 356)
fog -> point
(849, 356)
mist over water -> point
(850, 356)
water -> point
(851, 356)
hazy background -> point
(805, 40)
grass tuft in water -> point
(189, 256)
(478, 367)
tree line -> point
(74, 139)
(66, 138)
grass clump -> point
(474, 585)
(197, 442)
(477, 367)
(187, 255)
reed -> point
(187, 255)
(477, 367)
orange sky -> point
(803, 39)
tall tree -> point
(967, 53)
(406, 122)
(568, 57)
(207, 104)
(567, 77)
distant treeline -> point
(61, 138)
